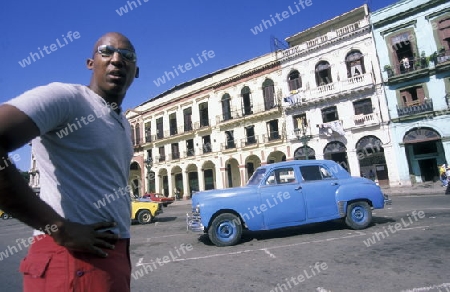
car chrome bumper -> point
(194, 223)
(387, 201)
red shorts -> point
(50, 267)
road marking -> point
(421, 289)
(269, 253)
(274, 247)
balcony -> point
(272, 137)
(443, 61)
(406, 71)
(250, 141)
(254, 110)
(365, 120)
(416, 107)
(331, 128)
(323, 40)
(331, 90)
(230, 145)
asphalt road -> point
(413, 255)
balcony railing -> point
(407, 67)
(330, 89)
(330, 128)
(415, 108)
(443, 56)
(249, 141)
(368, 119)
(273, 136)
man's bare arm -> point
(18, 199)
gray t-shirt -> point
(83, 154)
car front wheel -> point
(5, 216)
(144, 217)
(225, 230)
(359, 215)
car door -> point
(319, 188)
(281, 200)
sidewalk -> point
(181, 202)
(426, 188)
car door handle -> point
(334, 184)
(298, 188)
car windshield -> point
(257, 176)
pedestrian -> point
(83, 148)
(447, 173)
(443, 175)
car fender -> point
(368, 192)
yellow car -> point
(144, 211)
(4, 215)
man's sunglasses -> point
(108, 51)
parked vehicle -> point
(145, 211)
(159, 198)
(4, 215)
(285, 194)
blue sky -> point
(165, 34)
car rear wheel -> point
(5, 216)
(225, 230)
(359, 215)
(144, 217)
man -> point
(83, 149)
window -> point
(268, 94)
(207, 147)
(402, 51)
(412, 96)
(294, 80)
(250, 133)
(162, 154)
(256, 177)
(229, 143)
(204, 118)
(330, 114)
(190, 151)
(187, 113)
(138, 134)
(159, 128)
(300, 123)
(148, 132)
(175, 151)
(444, 33)
(315, 172)
(133, 141)
(173, 124)
(281, 176)
(226, 109)
(323, 73)
(355, 64)
(247, 106)
(272, 130)
(363, 107)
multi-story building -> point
(337, 107)
(322, 98)
(412, 39)
(211, 132)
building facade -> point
(337, 107)
(412, 39)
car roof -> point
(299, 162)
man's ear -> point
(90, 64)
(137, 73)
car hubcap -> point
(358, 214)
(225, 231)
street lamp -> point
(301, 135)
(148, 164)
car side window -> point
(311, 172)
(326, 174)
(281, 176)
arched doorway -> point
(372, 162)
(305, 153)
(135, 179)
(232, 173)
(424, 152)
(337, 152)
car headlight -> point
(196, 209)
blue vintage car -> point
(285, 194)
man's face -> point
(112, 73)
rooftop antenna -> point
(277, 45)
